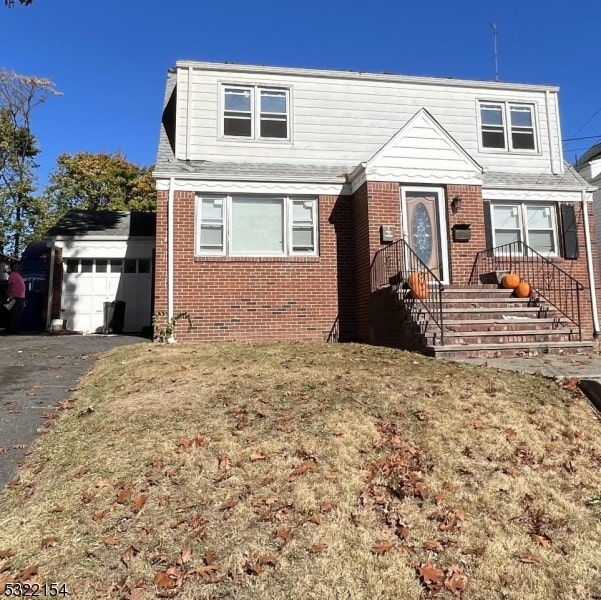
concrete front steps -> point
(485, 321)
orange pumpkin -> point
(418, 284)
(510, 281)
(522, 290)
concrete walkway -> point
(578, 366)
(586, 368)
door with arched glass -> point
(424, 227)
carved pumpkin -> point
(418, 283)
(510, 281)
(522, 290)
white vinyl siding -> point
(242, 225)
(255, 112)
(533, 224)
(345, 121)
(507, 126)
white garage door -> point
(90, 282)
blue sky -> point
(109, 58)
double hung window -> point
(256, 112)
(533, 224)
(507, 126)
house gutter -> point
(52, 245)
(589, 264)
(170, 219)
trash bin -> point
(114, 316)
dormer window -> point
(507, 126)
(257, 113)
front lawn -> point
(309, 471)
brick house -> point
(297, 204)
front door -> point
(424, 227)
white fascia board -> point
(525, 195)
(86, 237)
(163, 179)
(358, 76)
(256, 187)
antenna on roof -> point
(495, 33)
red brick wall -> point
(374, 204)
(257, 298)
(462, 254)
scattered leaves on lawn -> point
(49, 542)
(382, 547)
(319, 548)
(528, 558)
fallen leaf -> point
(111, 540)
(98, 516)
(210, 558)
(103, 483)
(456, 581)
(129, 554)
(382, 547)
(162, 580)
(315, 519)
(284, 533)
(231, 503)
(430, 574)
(268, 559)
(207, 569)
(6, 553)
(186, 556)
(326, 506)
(307, 467)
(254, 568)
(87, 497)
(528, 558)
(139, 502)
(48, 542)
(434, 545)
(123, 495)
(318, 548)
(543, 540)
(254, 456)
(27, 572)
(224, 463)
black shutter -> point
(569, 228)
(488, 228)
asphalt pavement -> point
(37, 372)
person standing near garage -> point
(16, 290)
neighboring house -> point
(589, 166)
(95, 257)
(296, 204)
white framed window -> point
(533, 224)
(507, 126)
(257, 113)
(244, 225)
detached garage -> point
(100, 257)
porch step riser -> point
(500, 338)
(503, 327)
(525, 351)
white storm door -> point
(424, 227)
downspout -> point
(554, 169)
(50, 284)
(170, 249)
(589, 264)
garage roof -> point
(104, 223)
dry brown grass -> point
(276, 471)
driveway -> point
(36, 372)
